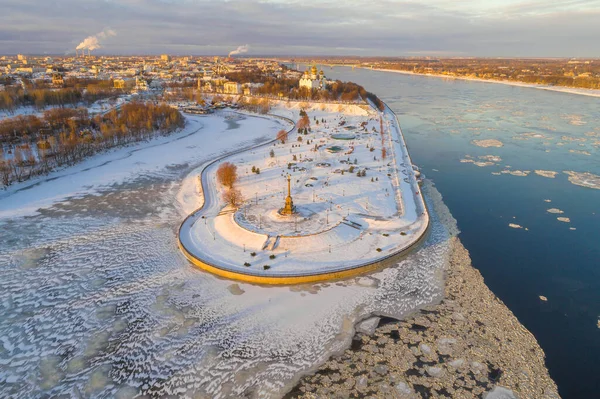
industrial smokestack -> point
(94, 42)
(239, 50)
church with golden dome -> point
(313, 79)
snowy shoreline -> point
(216, 244)
(468, 344)
(559, 89)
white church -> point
(313, 80)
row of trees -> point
(33, 146)
(39, 95)
(258, 105)
(567, 81)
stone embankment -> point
(468, 346)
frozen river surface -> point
(97, 300)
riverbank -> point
(467, 345)
(568, 90)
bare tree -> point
(265, 106)
(5, 170)
(282, 136)
(383, 153)
(233, 197)
(303, 123)
(227, 174)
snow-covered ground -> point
(343, 220)
(202, 138)
(98, 301)
(94, 108)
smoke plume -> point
(239, 50)
(94, 42)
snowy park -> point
(355, 195)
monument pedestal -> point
(289, 208)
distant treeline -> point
(41, 94)
(32, 145)
(553, 73)
(567, 81)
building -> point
(250, 88)
(119, 84)
(141, 84)
(313, 79)
(28, 70)
(21, 57)
(209, 86)
(57, 80)
(165, 57)
(232, 88)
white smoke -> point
(239, 50)
(94, 42)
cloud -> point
(490, 28)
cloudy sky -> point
(309, 27)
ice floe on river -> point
(546, 173)
(584, 179)
(488, 143)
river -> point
(97, 300)
(540, 130)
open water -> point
(540, 130)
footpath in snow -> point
(344, 220)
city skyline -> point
(276, 27)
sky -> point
(503, 28)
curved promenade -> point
(209, 209)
